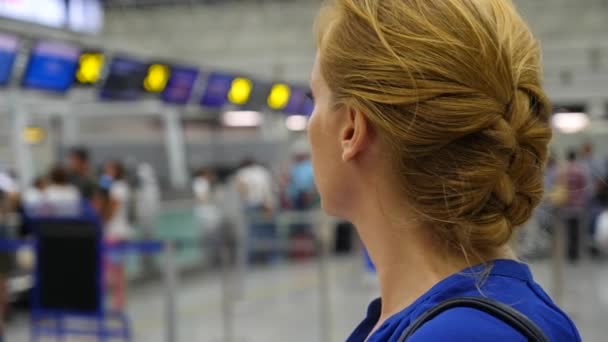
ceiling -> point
(129, 4)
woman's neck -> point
(406, 273)
(408, 260)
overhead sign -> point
(125, 78)
(180, 85)
(216, 91)
(309, 107)
(8, 52)
(34, 135)
(52, 66)
(296, 100)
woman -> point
(430, 134)
(147, 199)
(207, 213)
(206, 210)
(118, 228)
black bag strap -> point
(505, 313)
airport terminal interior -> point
(156, 182)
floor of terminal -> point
(282, 304)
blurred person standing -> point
(302, 196)
(9, 194)
(117, 227)
(202, 184)
(8, 184)
(60, 197)
(147, 199)
(301, 189)
(595, 166)
(575, 181)
(555, 197)
(255, 185)
(34, 195)
(232, 232)
(206, 209)
(146, 205)
(595, 169)
(537, 238)
(80, 173)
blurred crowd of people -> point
(117, 198)
(235, 206)
(576, 199)
(248, 198)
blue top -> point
(302, 180)
(509, 282)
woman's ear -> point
(355, 135)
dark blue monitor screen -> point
(51, 66)
(296, 100)
(216, 92)
(125, 79)
(180, 85)
(309, 107)
(8, 52)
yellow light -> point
(240, 91)
(89, 69)
(279, 96)
(33, 135)
(158, 76)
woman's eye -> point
(310, 96)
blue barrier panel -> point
(135, 247)
(15, 245)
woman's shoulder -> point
(467, 324)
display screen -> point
(296, 101)
(125, 79)
(8, 52)
(180, 85)
(309, 107)
(51, 66)
(217, 89)
(259, 96)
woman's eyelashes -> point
(310, 96)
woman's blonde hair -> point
(454, 87)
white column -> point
(596, 108)
(176, 149)
(70, 129)
(22, 152)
